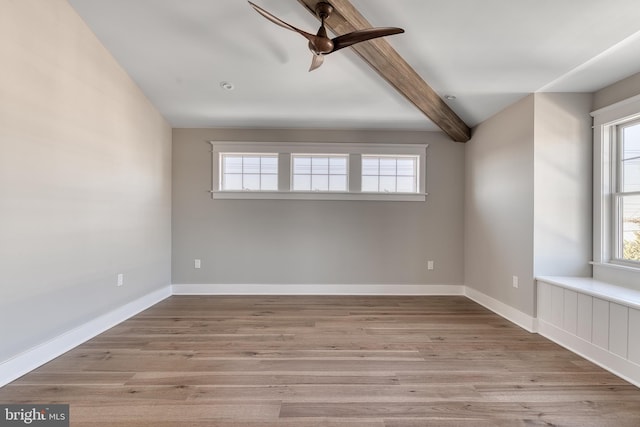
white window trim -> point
(604, 176)
(284, 150)
(416, 177)
(221, 177)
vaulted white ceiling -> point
(487, 53)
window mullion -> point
(354, 176)
(285, 169)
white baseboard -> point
(298, 289)
(623, 368)
(29, 360)
(513, 315)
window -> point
(318, 171)
(248, 172)
(313, 172)
(390, 174)
(616, 196)
(626, 192)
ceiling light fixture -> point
(227, 85)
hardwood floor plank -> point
(569, 421)
(335, 393)
(459, 410)
(257, 379)
(176, 413)
(292, 422)
(479, 378)
(332, 361)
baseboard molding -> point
(623, 368)
(29, 360)
(513, 315)
(298, 289)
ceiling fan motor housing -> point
(322, 44)
(323, 10)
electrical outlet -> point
(515, 281)
(430, 265)
(120, 280)
(196, 263)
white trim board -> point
(623, 368)
(29, 360)
(315, 289)
(526, 322)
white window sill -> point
(317, 195)
(615, 266)
(596, 288)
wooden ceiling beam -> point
(388, 63)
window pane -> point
(387, 166)
(232, 164)
(320, 165)
(631, 175)
(232, 182)
(387, 184)
(370, 183)
(251, 164)
(407, 167)
(269, 165)
(302, 165)
(631, 228)
(253, 172)
(631, 144)
(370, 167)
(338, 166)
(406, 184)
(251, 182)
(320, 182)
(338, 183)
(396, 174)
(269, 182)
(301, 182)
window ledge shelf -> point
(317, 195)
(596, 288)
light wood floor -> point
(326, 361)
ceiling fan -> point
(320, 44)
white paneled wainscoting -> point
(597, 320)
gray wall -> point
(563, 185)
(85, 178)
(528, 197)
(499, 206)
(617, 92)
(316, 242)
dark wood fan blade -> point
(311, 37)
(347, 40)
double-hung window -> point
(319, 171)
(626, 192)
(617, 186)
